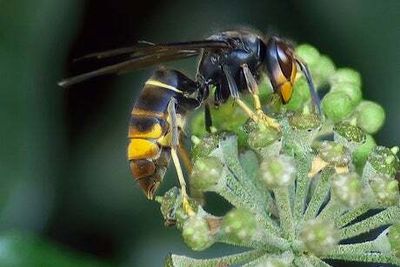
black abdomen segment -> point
(148, 160)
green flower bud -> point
(205, 146)
(335, 154)
(386, 190)
(206, 173)
(196, 233)
(239, 225)
(319, 236)
(277, 171)
(347, 188)
(337, 106)
(350, 89)
(227, 117)
(383, 161)
(260, 136)
(322, 69)
(360, 154)
(304, 121)
(350, 134)
(307, 53)
(370, 116)
(394, 239)
(181, 214)
(346, 75)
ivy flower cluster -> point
(302, 195)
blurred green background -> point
(66, 195)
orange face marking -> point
(154, 132)
(286, 90)
(142, 149)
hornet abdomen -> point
(150, 133)
(148, 149)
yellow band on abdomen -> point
(142, 149)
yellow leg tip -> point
(186, 206)
(270, 122)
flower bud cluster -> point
(299, 194)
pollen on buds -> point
(206, 173)
(319, 236)
(196, 233)
(334, 153)
(347, 188)
(386, 190)
(239, 225)
(350, 133)
(277, 171)
(384, 161)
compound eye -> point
(285, 59)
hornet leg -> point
(235, 95)
(253, 88)
(175, 159)
(185, 156)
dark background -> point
(64, 175)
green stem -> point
(236, 187)
(302, 262)
(332, 210)
(389, 216)
(176, 260)
(350, 216)
(355, 253)
(319, 195)
(303, 183)
(282, 200)
(265, 241)
(229, 150)
(357, 248)
(231, 190)
(317, 261)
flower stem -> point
(302, 262)
(332, 210)
(351, 215)
(231, 190)
(282, 199)
(360, 253)
(303, 183)
(389, 216)
(317, 262)
(177, 260)
(319, 195)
